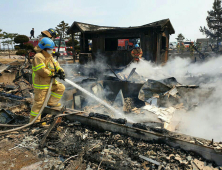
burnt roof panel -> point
(84, 27)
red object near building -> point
(34, 42)
(123, 44)
(62, 49)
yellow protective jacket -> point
(37, 49)
(43, 69)
(137, 52)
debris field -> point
(73, 145)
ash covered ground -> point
(75, 146)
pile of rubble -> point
(16, 92)
(74, 146)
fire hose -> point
(40, 112)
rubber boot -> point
(55, 105)
(33, 117)
(58, 105)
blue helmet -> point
(52, 32)
(46, 43)
(137, 45)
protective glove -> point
(55, 75)
(62, 75)
(56, 54)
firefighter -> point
(50, 33)
(45, 67)
(137, 53)
(182, 48)
(178, 47)
(199, 47)
(191, 47)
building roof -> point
(205, 40)
(90, 28)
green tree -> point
(76, 45)
(10, 37)
(21, 39)
(69, 43)
(180, 37)
(29, 46)
(62, 28)
(21, 52)
(1, 37)
(214, 23)
(7, 43)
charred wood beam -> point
(73, 49)
(207, 152)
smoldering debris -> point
(16, 91)
(72, 145)
(179, 84)
(200, 107)
(179, 96)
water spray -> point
(116, 112)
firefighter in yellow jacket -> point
(178, 47)
(137, 53)
(50, 33)
(45, 67)
(191, 48)
(182, 48)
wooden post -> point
(73, 49)
(84, 43)
(9, 51)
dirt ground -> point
(4, 59)
(16, 158)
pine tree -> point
(214, 23)
(180, 38)
(1, 37)
(62, 28)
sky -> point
(186, 16)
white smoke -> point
(178, 68)
(205, 120)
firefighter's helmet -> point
(137, 45)
(46, 43)
(52, 32)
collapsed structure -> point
(91, 134)
(130, 93)
(154, 40)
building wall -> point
(162, 47)
(150, 43)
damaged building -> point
(153, 39)
(116, 121)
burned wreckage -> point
(135, 129)
(105, 41)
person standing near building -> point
(32, 33)
(178, 47)
(182, 48)
(191, 47)
(45, 67)
(199, 47)
(137, 53)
